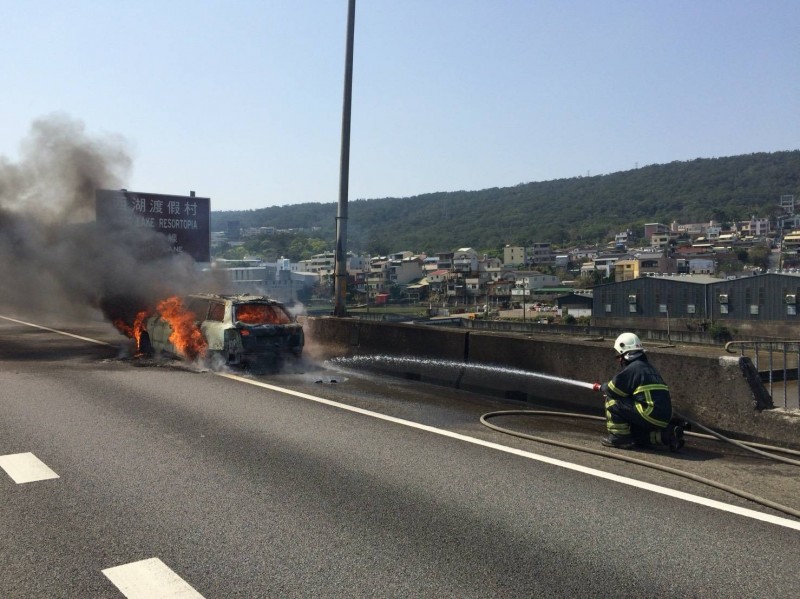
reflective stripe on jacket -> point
(640, 383)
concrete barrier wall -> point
(722, 392)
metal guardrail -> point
(783, 364)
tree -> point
(587, 208)
(236, 253)
(758, 256)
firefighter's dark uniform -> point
(638, 403)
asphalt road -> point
(328, 482)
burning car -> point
(240, 329)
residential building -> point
(473, 288)
(660, 240)
(603, 264)
(437, 284)
(495, 272)
(377, 277)
(623, 239)
(430, 264)
(499, 292)
(701, 266)
(465, 260)
(541, 254)
(514, 255)
(327, 262)
(487, 264)
(691, 230)
(651, 229)
(755, 227)
(579, 255)
(403, 270)
(633, 268)
(445, 260)
(535, 280)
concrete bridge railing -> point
(722, 392)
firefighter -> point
(637, 401)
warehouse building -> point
(760, 305)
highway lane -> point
(246, 491)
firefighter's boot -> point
(672, 437)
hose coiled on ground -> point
(748, 446)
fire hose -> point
(757, 448)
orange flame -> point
(260, 314)
(133, 331)
(186, 336)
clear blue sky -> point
(241, 101)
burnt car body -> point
(240, 329)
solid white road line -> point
(718, 505)
(150, 579)
(25, 468)
(38, 326)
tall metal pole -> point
(340, 286)
(524, 289)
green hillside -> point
(576, 210)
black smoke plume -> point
(55, 261)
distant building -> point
(625, 270)
(575, 304)
(535, 280)
(754, 305)
(540, 254)
(465, 260)
(755, 227)
(561, 261)
(651, 229)
(514, 255)
(327, 262)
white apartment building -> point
(755, 227)
(465, 260)
(327, 262)
(535, 280)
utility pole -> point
(340, 283)
(524, 293)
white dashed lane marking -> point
(25, 468)
(150, 579)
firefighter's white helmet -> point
(627, 342)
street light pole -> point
(340, 283)
(524, 289)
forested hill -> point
(576, 210)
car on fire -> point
(241, 329)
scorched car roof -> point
(237, 299)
